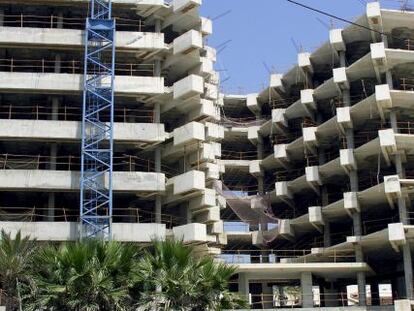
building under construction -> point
(306, 186)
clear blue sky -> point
(263, 30)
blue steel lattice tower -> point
(97, 133)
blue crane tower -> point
(97, 132)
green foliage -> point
(84, 276)
(94, 275)
(15, 263)
(172, 278)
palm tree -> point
(84, 276)
(172, 278)
(15, 262)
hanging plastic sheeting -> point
(254, 210)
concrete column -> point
(158, 198)
(58, 63)
(51, 203)
(60, 20)
(403, 214)
(1, 17)
(362, 288)
(158, 25)
(260, 153)
(306, 284)
(157, 68)
(353, 180)
(408, 270)
(327, 235)
(342, 58)
(244, 285)
(267, 296)
(158, 167)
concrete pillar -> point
(1, 17)
(157, 67)
(306, 284)
(58, 63)
(60, 20)
(51, 203)
(362, 288)
(244, 285)
(158, 167)
(158, 25)
(260, 153)
(158, 198)
(403, 214)
(342, 58)
(267, 296)
(327, 235)
(408, 270)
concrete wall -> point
(69, 231)
(73, 83)
(71, 38)
(71, 130)
(48, 180)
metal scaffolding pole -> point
(97, 135)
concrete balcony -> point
(336, 40)
(206, 26)
(205, 200)
(74, 39)
(188, 87)
(52, 83)
(205, 110)
(184, 6)
(192, 181)
(191, 233)
(69, 231)
(187, 42)
(44, 130)
(69, 181)
(189, 134)
(208, 215)
(198, 152)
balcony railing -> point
(71, 113)
(71, 67)
(61, 214)
(53, 21)
(124, 163)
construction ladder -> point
(97, 135)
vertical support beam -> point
(157, 119)
(244, 285)
(354, 185)
(51, 202)
(158, 25)
(403, 213)
(60, 20)
(306, 284)
(408, 270)
(1, 17)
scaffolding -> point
(97, 136)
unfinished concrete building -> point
(328, 148)
(306, 186)
(166, 137)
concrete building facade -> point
(306, 186)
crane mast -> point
(97, 128)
